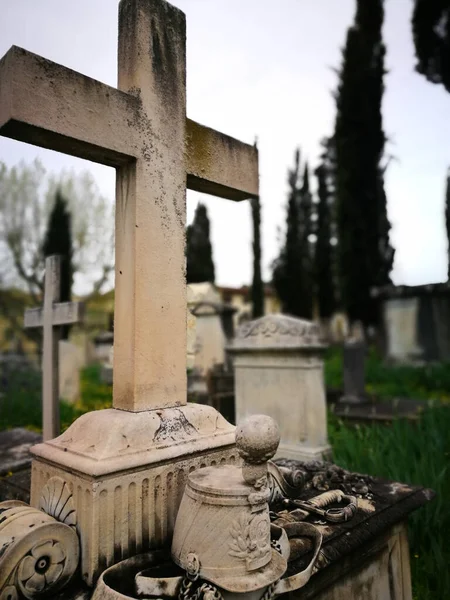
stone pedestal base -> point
(125, 474)
(304, 452)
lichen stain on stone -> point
(171, 427)
(167, 52)
(198, 147)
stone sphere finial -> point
(257, 439)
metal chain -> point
(269, 594)
(207, 591)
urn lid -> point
(226, 480)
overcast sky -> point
(259, 68)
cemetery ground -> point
(414, 452)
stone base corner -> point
(303, 452)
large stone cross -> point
(52, 315)
(140, 129)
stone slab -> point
(397, 408)
(15, 447)
(377, 526)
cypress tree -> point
(58, 240)
(431, 35)
(364, 256)
(200, 265)
(323, 256)
(291, 277)
(257, 291)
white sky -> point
(265, 69)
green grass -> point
(418, 454)
(422, 382)
(20, 405)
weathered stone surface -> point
(127, 473)
(278, 331)
(279, 372)
(220, 165)
(367, 554)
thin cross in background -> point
(50, 317)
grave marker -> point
(52, 315)
(142, 130)
(354, 371)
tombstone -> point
(278, 363)
(206, 305)
(51, 316)
(354, 372)
(70, 365)
(338, 328)
(106, 373)
(123, 469)
(102, 345)
(416, 322)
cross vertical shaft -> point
(150, 300)
(50, 395)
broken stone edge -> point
(111, 440)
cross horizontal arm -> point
(220, 165)
(63, 313)
(48, 105)
(51, 106)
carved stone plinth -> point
(126, 473)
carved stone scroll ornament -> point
(38, 554)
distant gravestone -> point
(70, 364)
(206, 305)
(278, 365)
(354, 371)
(49, 317)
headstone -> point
(401, 322)
(278, 362)
(125, 467)
(191, 327)
(354, 372)
(205, 303)
(338, 327)
(52, 315)
(102, 345)
(106, 373)
(70, 365)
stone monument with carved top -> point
(278, 362)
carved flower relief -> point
(42, 568)
(250, 537)
(259, 533)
